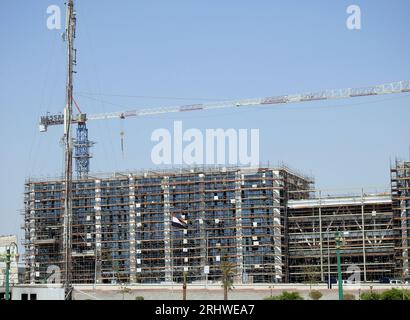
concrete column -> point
(277, 232)
(322, 277)
(32, 234)
(202, 226)
(167, 231)
(98, 238)
(363, 240)
(238, 218)
(138, 241)
(132, 236)
(404, 237)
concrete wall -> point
(215, 292)
(194, 292)
(43, 292)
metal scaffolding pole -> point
(328, 261)
(339, 266)
(363, 241)
(322, 277)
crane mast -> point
(68, 145)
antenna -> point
(68, 148)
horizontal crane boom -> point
(388, 88)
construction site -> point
(122, 233)
(366, 221)
(270, 223)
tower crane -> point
(67, 121)
(82, 145)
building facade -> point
(269, 224)
(400, 185)
(363, 221)
(121, 225)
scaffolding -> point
(121, 230)
(365, 221)
(400, 190)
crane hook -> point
(122, 143)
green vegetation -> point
(315, 295)
(139, 298)
(392, 294)
(395, 294)
(228, 270)
(370, 295)
(349, 296)
(286, 296)
(312, 273)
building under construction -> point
(121, 225)
(400, 185)
(268, 223)
(364, 222)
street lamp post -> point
(7, 292)
(339, 268)
(184, 286)
(206, 259)
(329, 283)
(8, 263)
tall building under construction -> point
(268, 223)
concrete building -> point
(269, 223)
(121, 227)
(400, 184)
(37, 292)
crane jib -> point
(388, 88)
(191, 107)
(127, 114)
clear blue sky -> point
(207, 50)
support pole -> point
(329, 284)
(172, 259)
(184, 287)
(7, 284)
(363, 241)
(322, 277)
(8, 265)
(95, 268)
(206, 260)
(339, 267)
